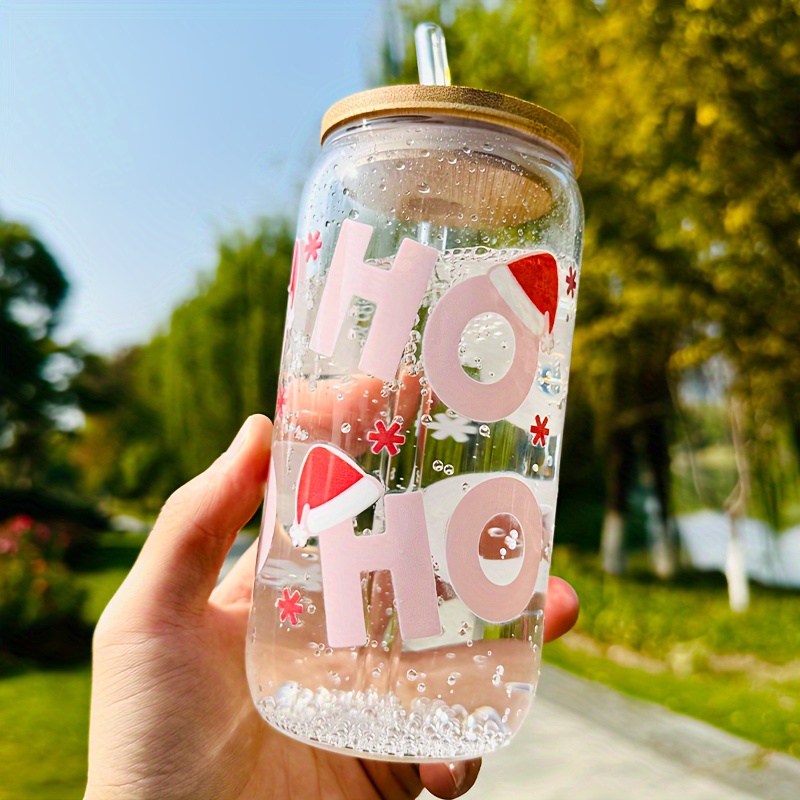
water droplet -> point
(420, 687)
(484, 430)
(411, 674)
(438, 466)
(345, 427)
(448, 469)
(452, 678)
(423, 188)
(311, 608)
(376, 673)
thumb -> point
(181, 559)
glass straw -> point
(431, 55)
(434, 70)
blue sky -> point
(133, 134)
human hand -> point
(172, 715)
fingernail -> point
(239, 440)
(458, 772)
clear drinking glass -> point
(405, 548)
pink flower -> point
(21, 523)
(8, 546)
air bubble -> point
(438, 466)
(484, 430)
(345, 427)
(448, 469)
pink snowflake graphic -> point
(383, 437)
(572, 282)
(290, 606)
(312, 246)
(540, 431)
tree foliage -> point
(32, 381)
(691, 186)
(162, 412)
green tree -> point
(161, 412)
(692, 193)
(33, 367)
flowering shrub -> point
(38, 595)
(49, 541)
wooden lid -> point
(458, 101)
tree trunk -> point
(736, 506)
(736, 568)
(618, 479)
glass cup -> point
(407, 533)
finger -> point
(343, 411)
(560, 609)
(237, 585)
(180, 562)
(450, 780)
(393, 781)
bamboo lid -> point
(458, 101)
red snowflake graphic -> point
(280, 405)
(572, 281)
(540, 431)
(312, 246)
(388, 438)
(290, 606)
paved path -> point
(584, 741)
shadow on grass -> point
(49, 645)
(115, 551)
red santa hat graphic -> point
(537, 278)
(332, 488)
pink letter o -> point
(487, 600)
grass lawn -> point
(677, 643)
(44, 714)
